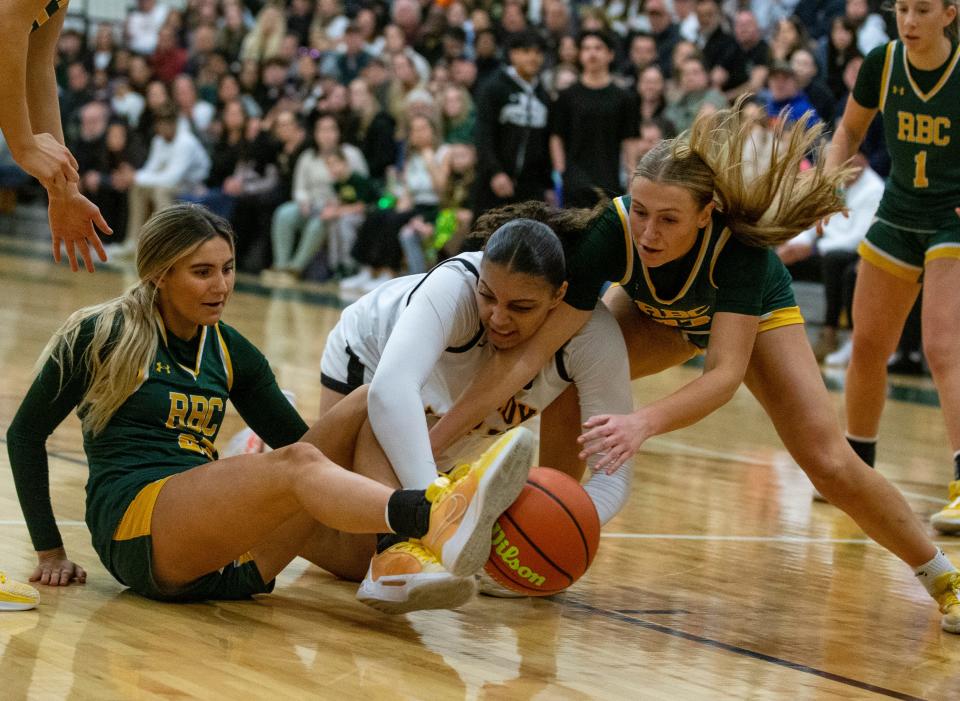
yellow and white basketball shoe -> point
(947, 594)
(16, 596)
(947, 520)
(465, 507)
(407, 577)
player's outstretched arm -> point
(620, 436)
(30, 120)
(505, 374)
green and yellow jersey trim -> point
(628, 239)
(940, 83)
(195, 371)
(225, 357)
(704, 245)
(885, 75)
(721, 242)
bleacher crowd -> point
(358, 139)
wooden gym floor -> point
(720, 580)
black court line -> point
(744, 652)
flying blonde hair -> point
(764, 206)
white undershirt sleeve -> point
(596, 359)
(441, 313)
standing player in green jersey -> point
(690, 249)
(30, 121)
(914, 83)
(150, 374)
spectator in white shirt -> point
(143, 26)
(176, 162)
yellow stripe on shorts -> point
(780, 317)
(138, 517)
(888, 263)
(943, 250)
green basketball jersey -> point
(921, 130)
(720, 273)
(168, 425)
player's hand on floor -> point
(614, 437)
(72, 219)
(56, 570)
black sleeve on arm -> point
(593, 257)
(866, 91)
(46, 405)
(257, 396)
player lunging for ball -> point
(690, 247)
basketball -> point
(546, 540)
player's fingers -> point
(596, 420)
(64, 577)
(101, 223)
(85, 253)
(71, 159)
(593, 434)
(97, 245)
(81, 574)
(45, 577)
(72, 256)
(55, 244)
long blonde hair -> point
(125, 332)
(764, 210)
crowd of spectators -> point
(358, 139)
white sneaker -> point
(841, 357)
(356, 281)
(407, 577)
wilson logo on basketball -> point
(508, 554)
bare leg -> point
(328, 399)
(652, 347)
(784, 377)
(941, 333)
(559, 430)
(881, 303)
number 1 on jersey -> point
(920, 173)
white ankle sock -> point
(929, 571)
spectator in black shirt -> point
(587, 156)
(721, 54)
(808, 79)
(756, 51)
(511, 131)
(665, 32)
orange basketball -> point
(546, 540)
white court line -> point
(755, 538)
(734, 457)
(660, 536)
